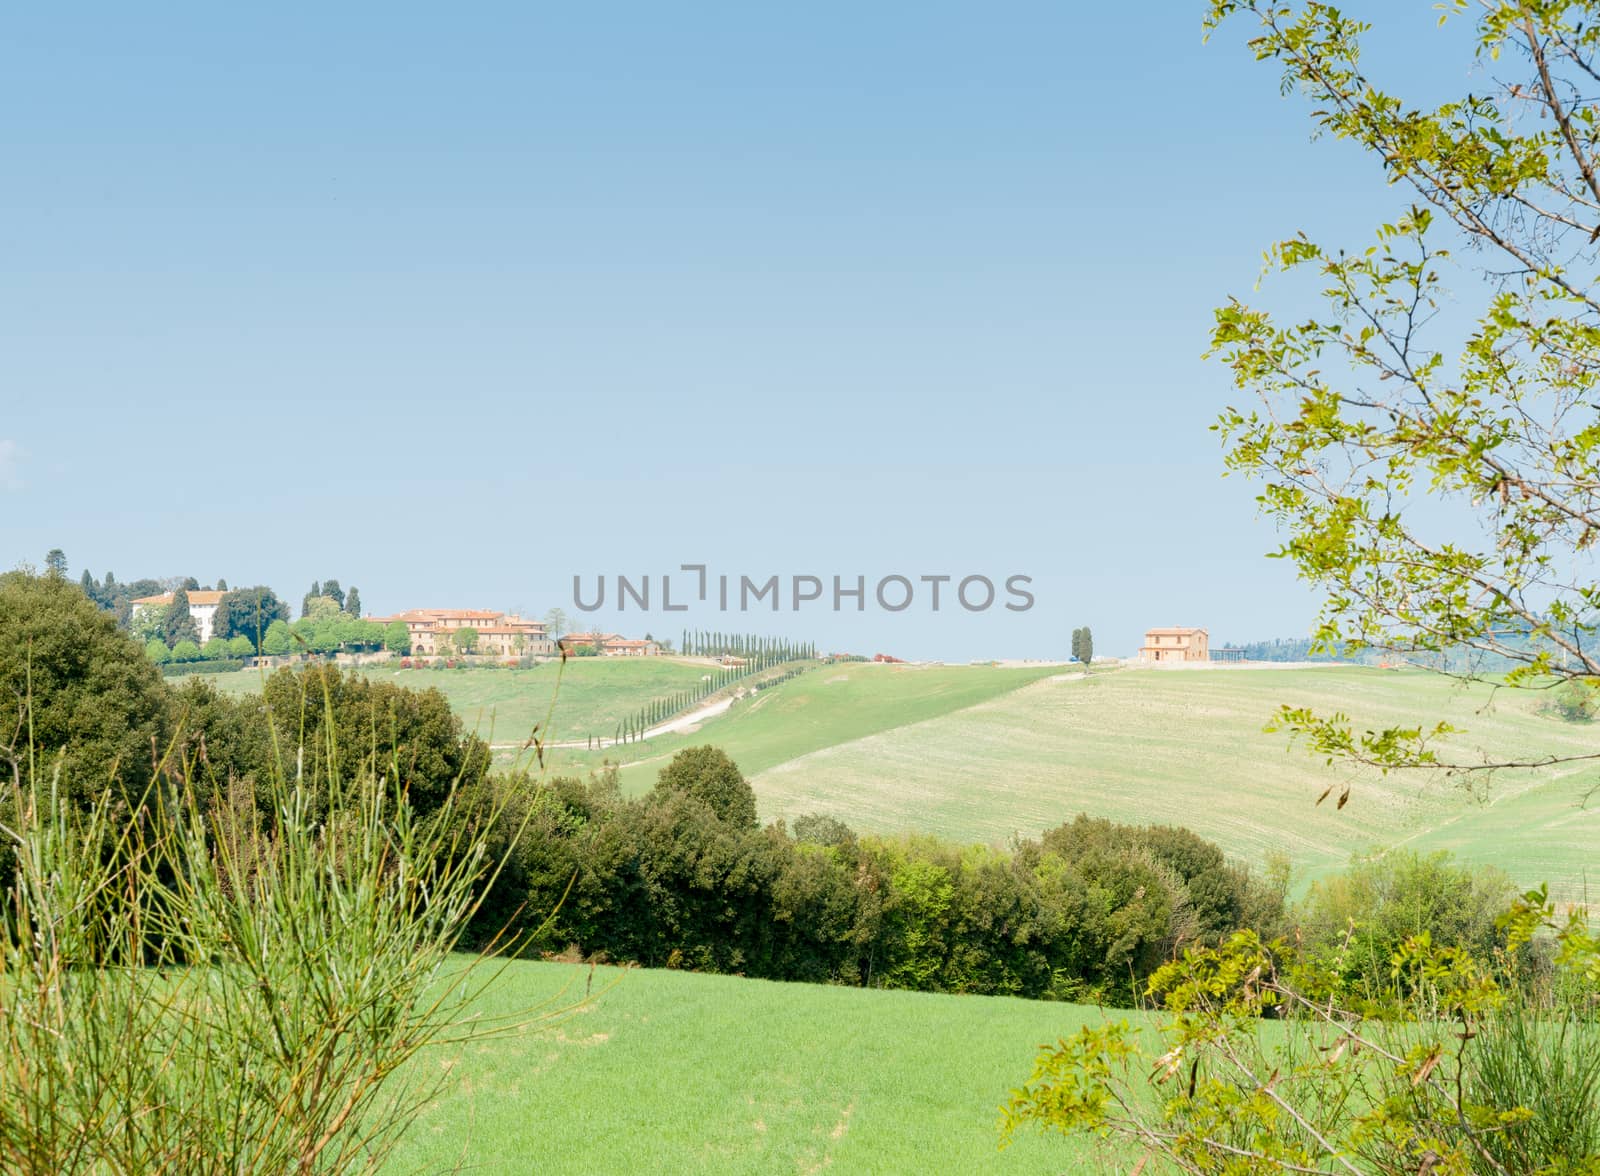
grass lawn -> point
(828, 705)
(680, 1072)
(596, 692)
(1188, 748)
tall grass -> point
(216, 981)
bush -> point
(1462, 1068)
(292, 976)
(1573, 702)
(186, 669)
(682, 877)
(89, 693)
(708, 775)
(1353, 923)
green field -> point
(595, 693)
(980, 753)
(1188, 748)
(827, 706)
(680, 1072)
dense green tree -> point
(708, 775)
(320, 608)
(313, 594)
(215, 649)
(222, 585)
(465, 640)
(186, 651)
(189, 584)
(177, 624)
(55, 563)
(88, 693)
(157, 651)
(248, 612)
(819, 829)
(397, 637)
(1356, 921)
(331, 589)
(90, 588)
(1086, 646)
(1436, 476)
(240, 647)
(417, 738)
(277, 641)
(352, 601)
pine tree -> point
(55, 563)
(222, 585)
(352, 601)
(305, 604)
(89, 586)
(330, 588)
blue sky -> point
(457, 304)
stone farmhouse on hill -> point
(1175, 645)
(202, 607)
(499, 634)
(612, 645)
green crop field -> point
(1188, 748)
(979, 753)
(681, 1072)
(827, 705)
(595, 693)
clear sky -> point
(455, 303)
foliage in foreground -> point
(1461, 1066)
(227, 986)
(1378, 402)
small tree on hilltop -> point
(352, 601)
(55, 563)
(707, 774)
(1086, 646)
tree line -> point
(704, 643)
(633, 727)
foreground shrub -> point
(226, 987)
(1465, 1068)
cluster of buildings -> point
(500, 634)
(612, 644)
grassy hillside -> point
(826, 706)
(595, 692)
(1188, 748)
(678, 1072)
